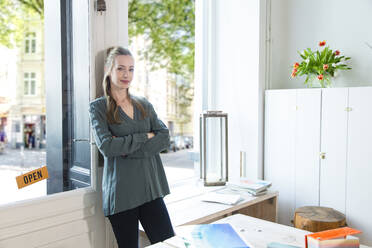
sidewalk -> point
(30, 158)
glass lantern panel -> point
(215, 149)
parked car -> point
(172, 145)
(180, 142)
(189, 143)
(183, 142)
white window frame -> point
(208, 88)
(30, 39)
(27, 83)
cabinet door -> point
(279, 148)
(307, 146)
(333, 144)
(359, 163)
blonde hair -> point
(112, 108)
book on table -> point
(229, 199)
(339, 237)
(251, 186)
(221, 235)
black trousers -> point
(154, 219)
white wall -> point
(227, 72)
(109, 28)
(298, 24)
(236, 78)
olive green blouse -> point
(133, 171)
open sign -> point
(32, 177)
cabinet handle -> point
(348, 109)
(322, 155)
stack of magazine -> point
(253, 187)
(221, 235)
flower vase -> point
(314, 82)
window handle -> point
(83, 140)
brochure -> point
(208, 236)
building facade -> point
(27, 113)
(162, 89)
(7, 85)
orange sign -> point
(32, 177)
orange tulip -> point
(322, 43)
(296, 65)
(320, 77)
(325, 67)
(293, 74)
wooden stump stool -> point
(316, 219)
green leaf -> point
(302, 56)
(14, 16)
(169, 26)
(322, 55)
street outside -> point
(178, 165)
(29, 158)
(15, 162)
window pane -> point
(167, 87)
(33, 87)
(27, 46)
(33, 46)
(79, 164)
(23, 119)
(25, 88)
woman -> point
(130, 136)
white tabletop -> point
(259, 232)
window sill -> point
(188, 188)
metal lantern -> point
(100, 5)
(213, 148)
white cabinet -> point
(359, 162)
(302, 124)
(292, 137)
(307, 139)
(334, 146)
(281, 134)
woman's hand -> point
(150, 135)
